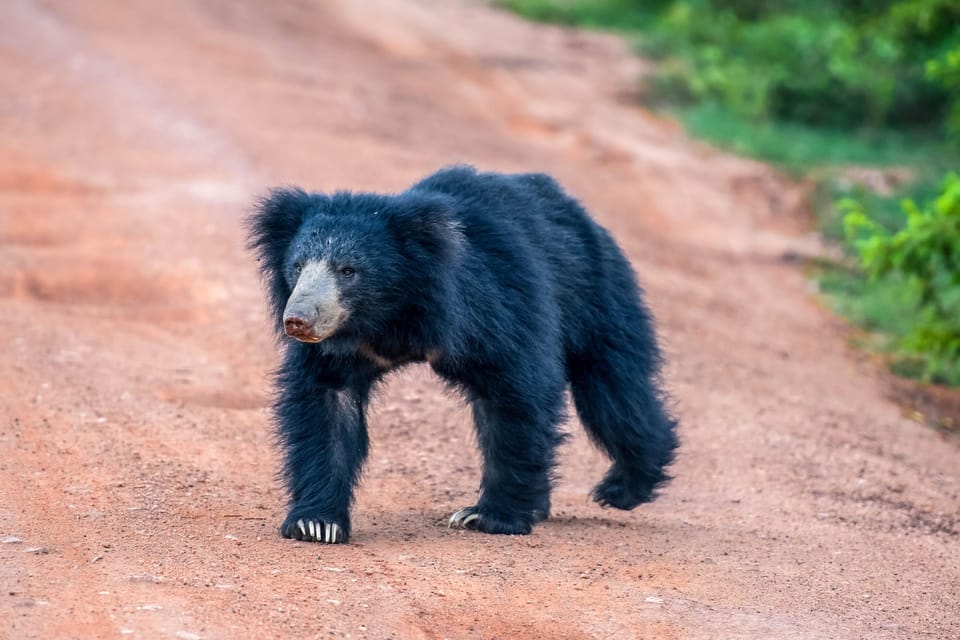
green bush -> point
(946, 70)
(923, 259)
(829, 63)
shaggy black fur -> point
(508, 288)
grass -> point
(885, 210)
(611, 15)
(891, 309)
(798, 148)
(883, 309)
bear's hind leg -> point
(617, 396)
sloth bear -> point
(508, 289)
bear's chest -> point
(391, 359)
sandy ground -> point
(138, 495)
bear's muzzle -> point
(313, 312)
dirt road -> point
(137, 489)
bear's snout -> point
(308, 323)
(297, 327)
(313, 311)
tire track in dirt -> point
(134, 441)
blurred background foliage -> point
(826, 90)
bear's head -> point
(352, 264)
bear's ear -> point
(426, 226)
(271, 227)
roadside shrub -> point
(946, 70)
(850, 64)
(922, 257)
(828, 64)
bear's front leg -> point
(324, 437)
(518, 435)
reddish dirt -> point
(137, 473)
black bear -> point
(508, 289)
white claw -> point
(460, 519)
(313, 530)
(303, 529)
(336, 533)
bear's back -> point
(523, 208)
(534, 238)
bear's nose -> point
(295, 326)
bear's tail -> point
(616, 390)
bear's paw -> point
(314, 530)
(479, 520)
(624, 491)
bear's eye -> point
(297, 267)
(347, 272)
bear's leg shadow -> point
(615, 389)
(517, 429)
(324, 438)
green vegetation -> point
(917, 268)
(817, 87)
(827, 63)
(797, 148)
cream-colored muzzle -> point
(313, 312)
